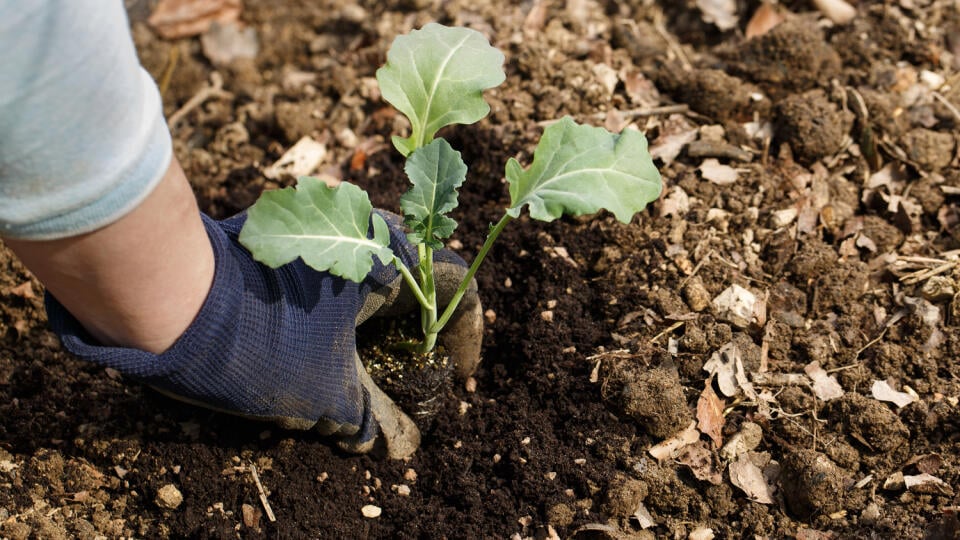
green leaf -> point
(436, 77)
(326, 227)
(582, 169)
(436, 171)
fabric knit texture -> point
(271, 344)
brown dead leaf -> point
(925, 463)
(882, 391)
(671, 447)
(700, 459)
(927, 483)
(747, 476)
(710, 418)
(837, 11)
(764, 19)
(825, 386)
(174, 19)
(721, 13)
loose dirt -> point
(815, 167)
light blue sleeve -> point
(82, 136)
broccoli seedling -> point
(436, 77)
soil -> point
(815, 167)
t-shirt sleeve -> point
(82, 136)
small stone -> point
(696, 295)
(490, 316)
(526, 521)
(508, 283)
(169, 497)
(870, 514)
(938, 289)
(251, 516)
(402, 490)
(410, 475)
(471, 385)
(547, 315)
(371, 511)
(464, 407)
(551, 304)
(322, 477)
(736, 305)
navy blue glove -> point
(279, 344)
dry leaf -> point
(749, 478)
(699, 458)
(927, 483)
(677, 203)
(643, 517)
(710, 418)
(825, 386)
(764, 19)
(300, 160)
(926, 463)
(225, 42)
(671, 447)
(882, 391)
(667, 147)
(837, 11)
(174, 19)
(736, 306)
(745, 440)
(722, 365)
(720, 13)
(722, 175)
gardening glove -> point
(462, 336)
(273, 345)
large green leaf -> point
(582, 169)
(436, 77)
(436, 171)
(326, 227)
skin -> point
(138, 282)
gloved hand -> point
(280, 344)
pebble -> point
(371, 511)
(402, 490)
(490, 316)
(169, 497)
(410, 475)
(471, 385)
(696, 294)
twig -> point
(263, 494)
(630, 113)
(872, 342)
(672, 43)
(920, 275)
(168, 72)
(667, 330)
(212, 90)
(946, 103)
(696, 268)
(646, 111)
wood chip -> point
(262, 492)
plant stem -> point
(428, 317)
(457, 296)
(412, 283)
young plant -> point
(436, 77)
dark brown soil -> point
(842, 222)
